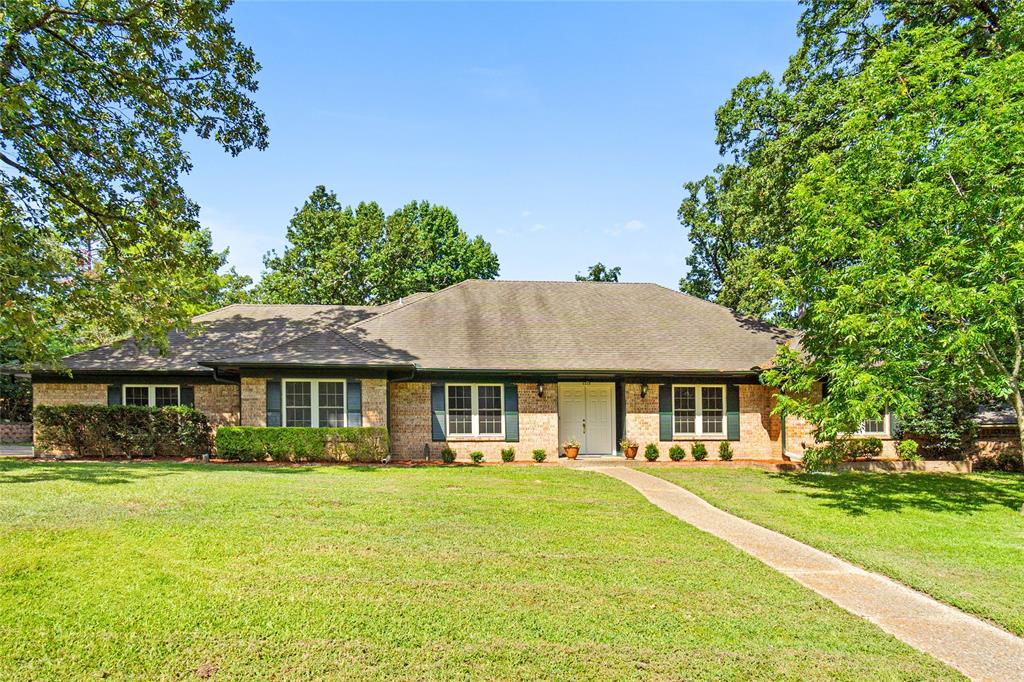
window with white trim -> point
(475, 409)
(150, 395)
(873, 427)
(314, 402)
(698, 410)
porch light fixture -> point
(643, 390)
(540, 390)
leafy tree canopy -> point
(357, 256)
(95, 98)
(599, 273)
(876, 199)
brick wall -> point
(760, 431)
(411, 425)
(375, 402)
(992, 442)
(254, 401)
(219, 402)
(67, 394)
(15, 432)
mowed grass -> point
(176, 571)
(957, 537)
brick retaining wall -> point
(16, 432)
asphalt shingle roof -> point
(474, 325)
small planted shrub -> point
(651, 452)
(862, 447)
(539, 455)
(447, 455)
(823, 457)
(476, 456)
(699, 452)
(508, 455)
(676, 453)
(907, 450)
(725, 451)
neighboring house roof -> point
(996, 416)
(474, 325)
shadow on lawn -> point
(860, 493)
(113, 473)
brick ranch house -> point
(480, 365)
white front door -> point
(586, 412)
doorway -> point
(586, 412)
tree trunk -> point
(1018, 407)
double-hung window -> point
(873, 427)
(698, 410)
(475, 409)
(151, 396)
(314, 402)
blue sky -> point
(562, 133)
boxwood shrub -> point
(302, 443)
(122, 430)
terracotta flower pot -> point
(572, 453)
(631, 452)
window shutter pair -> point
(439, 418)
(353, 403)
(732, 412)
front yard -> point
(167, 571)
(959, 538)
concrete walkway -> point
(976, 648)
(11, 450)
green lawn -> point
(168, 571)
(959, 538)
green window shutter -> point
(732, 411)
(354, 403)
(273, 402)
(511, 413)
(187, 395)
(114, 394)
(438, 418)
(665, 412)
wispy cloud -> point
(633, 225)
(538, 227)
(526, 213)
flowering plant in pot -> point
(572, 448)
(629, 447)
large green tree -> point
(356, 256)
(96, 97)
(872, 199)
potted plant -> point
(572, 448)
(629, 447)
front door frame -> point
(610, 448)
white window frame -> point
(150, 392)
(698, 422)
(314, 400)
(883, 433)
(474, 401)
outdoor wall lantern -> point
(540, 390)
(643, 390)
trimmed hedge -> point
(303, 444)
(123, 430)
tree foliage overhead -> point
(357, 256)
(95, 99)
(875, 198)
(599, 273)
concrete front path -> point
(976, 648)
(11, 450)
